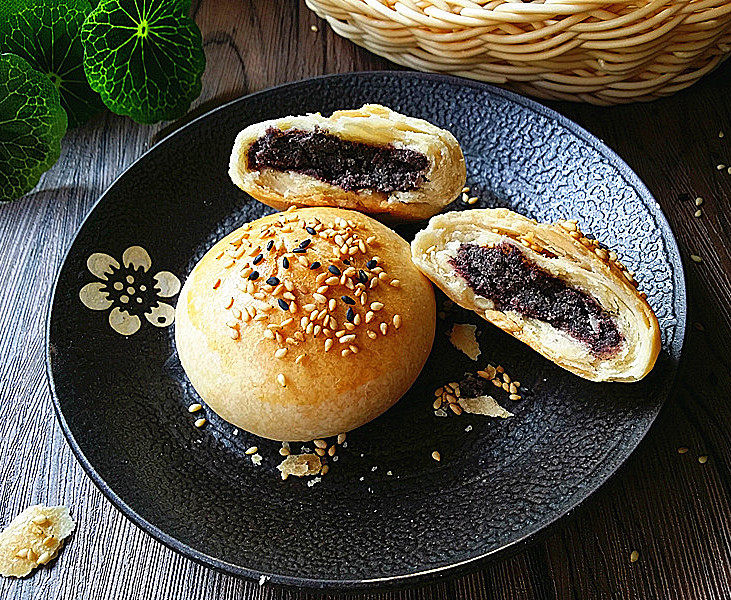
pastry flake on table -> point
(33, 538)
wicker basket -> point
(581, 50)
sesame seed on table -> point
(658, 529)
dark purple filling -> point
(504, 275)
(472, 386)
(349, 165)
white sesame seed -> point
(346, 339)
(328, 344)
(252, 450)
(194, 407)
(280, 353)
(695, 258)
(397, 321)
(281, 380)
(436, 456)
(376, 306)
(200, 423)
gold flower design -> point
(130, 290)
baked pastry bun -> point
(551, 287)
(305, 324)
(373, 160)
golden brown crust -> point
(372, 124)
(287, 386)
(562, 250)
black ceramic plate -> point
(387, 513)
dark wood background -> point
(668, 506)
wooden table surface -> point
(668, 506)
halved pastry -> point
(372, 159)
(548, 285)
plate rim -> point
(426, 575)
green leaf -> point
(48, 35)
(32, 123)
(145, 57)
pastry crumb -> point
(468, 428)
(33, 538)
(484, 405)
(314, 481)
(300, 465)
(256, 459)
(263, 579)
(464, 337)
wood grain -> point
(669, 507)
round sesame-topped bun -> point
(305, 324)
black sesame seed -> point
(334, 270)
(315, 265)
(270, 245)
(299, 250)
(347, 299)
(282, 304)
(350, 315)
(273, 281)
(372, 263)
(258, 259)
(254, 275)
(362, 277)
(346, 261)
(305, 243)
(310, 230)
(285, 262)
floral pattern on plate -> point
(130, 290)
